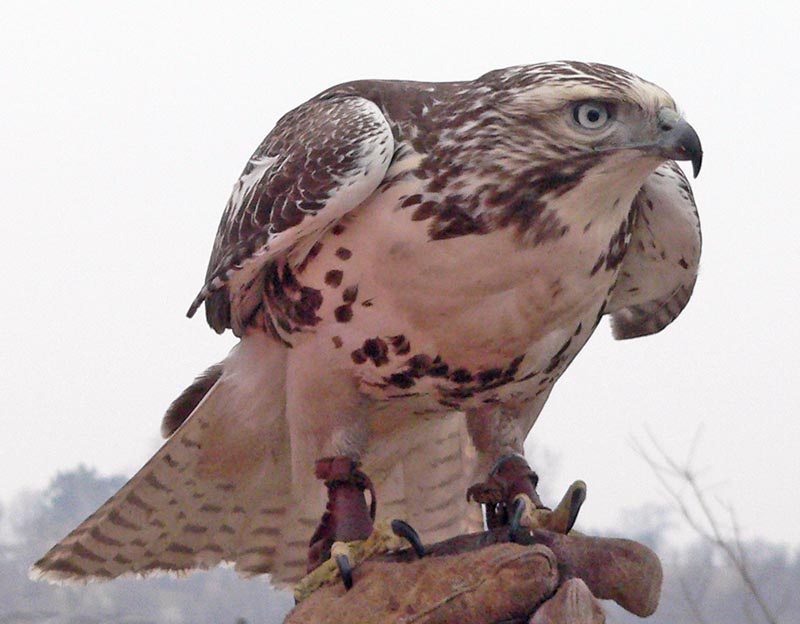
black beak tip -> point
(697, 162)
(679, 140)
(689, 146)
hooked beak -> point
(678, 140)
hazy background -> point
(124, 125)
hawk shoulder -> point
(319, 162)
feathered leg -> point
(509, 493)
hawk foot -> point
(347, 516)
(344, 557)
(510, 499)
(559, 520)
(510, 476)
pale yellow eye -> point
(591, 115)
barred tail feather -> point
(426, 483)
(217, 490)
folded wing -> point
(319, 162)
(660, 268)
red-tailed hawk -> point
(409, 267)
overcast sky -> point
(124, 126)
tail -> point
(427, 486)
(219, 489)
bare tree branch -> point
(704, 522)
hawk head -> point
(593, 112)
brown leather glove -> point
(483, 579)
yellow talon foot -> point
(345, 557)
(559, 520)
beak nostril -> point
(665, 126)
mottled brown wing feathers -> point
(322, 160)
(660, 268)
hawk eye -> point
(591, 115)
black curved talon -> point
(516, 519)
(578, 496)
(403, 529)
(343, 563)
